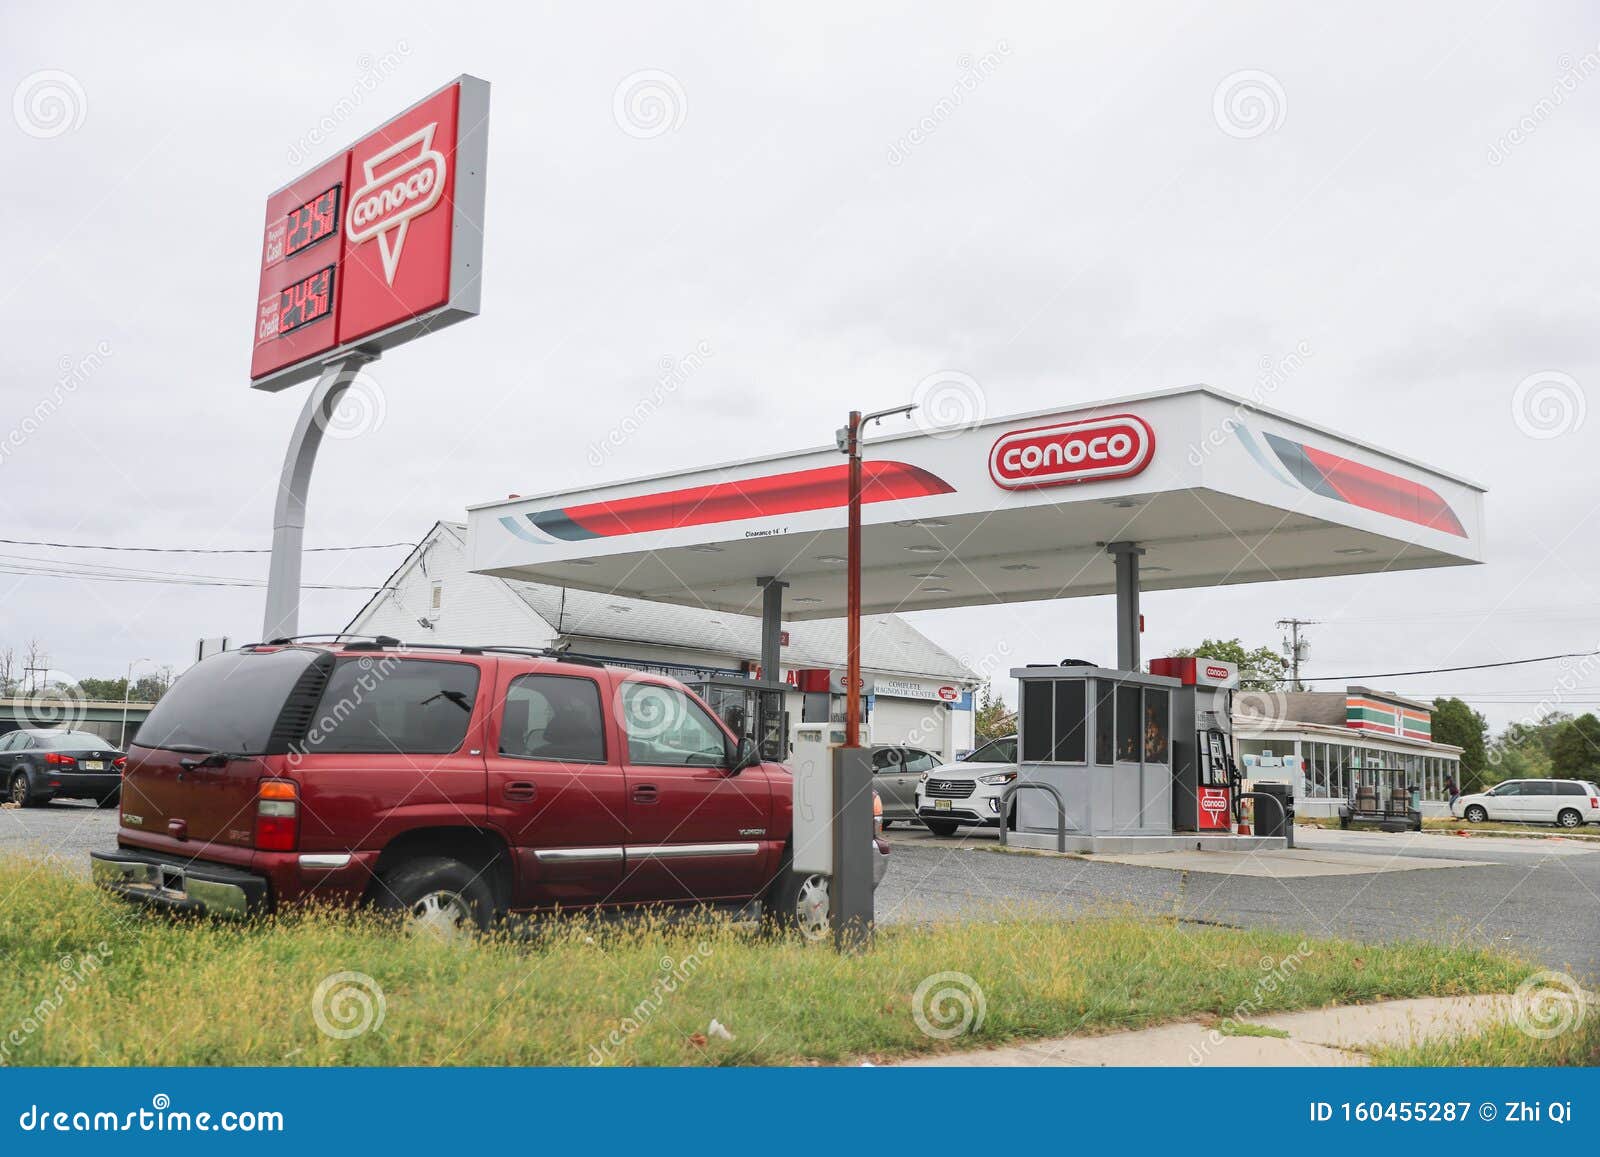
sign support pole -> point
(282, 618)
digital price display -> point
(305, 301)
(311, 222)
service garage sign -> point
(377, 245)
(1116, 446)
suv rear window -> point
(388, 706)
(229, 702)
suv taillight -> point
(59, 760)
(277, 815)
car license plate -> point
(941, 805)
(94, 765)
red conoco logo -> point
(1213, 803)
(1111, 447)
(1217, 672)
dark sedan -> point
(41, 764)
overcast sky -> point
(1120, 200)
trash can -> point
(1269, 821)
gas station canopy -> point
(1214, 489)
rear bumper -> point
(179, 885)
(79, 784)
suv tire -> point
(438, 895)
(942, 827)
(1569, 818)
(799, 902)
(1475, 814)
(109, 801)
(21, 794)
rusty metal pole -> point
(852, 668)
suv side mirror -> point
(747, 754)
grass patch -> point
(1250, 1028)
(1502, 1045)
(145, 990)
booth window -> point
(1156, 715)
(1038, 720)
(1105, 721)
(1053, 720)
(1071, 711)
(1130, 741)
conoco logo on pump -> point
(403, 181)
(1110, 447)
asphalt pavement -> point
(1539, 897)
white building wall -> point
(474, 608)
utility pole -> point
(1295, 648)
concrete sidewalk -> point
(1319, 1037)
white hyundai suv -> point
(967, 793)
(1567, 803)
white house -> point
(916, 693)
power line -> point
(195, 549)
(1447, 670)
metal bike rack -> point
(1061, 811)
(1283, 813)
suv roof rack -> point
(386, 642)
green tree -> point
(109, 690)
(1459, 725)
(993, 718)
(1259, 670)
(1575, 750)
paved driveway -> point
(1539, 897)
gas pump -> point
(1206, 782)
(752, 709)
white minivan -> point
(1567, 803)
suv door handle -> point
(644, 793)
(519, 789)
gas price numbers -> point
(305, 301)
(316, 219)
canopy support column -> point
(1127, 555)
(771, 627)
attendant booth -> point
(1103, 740)
(752, 708)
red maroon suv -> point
(451, 783)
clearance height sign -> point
(377, 245)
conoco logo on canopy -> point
(399, 187)
(1110, 447)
